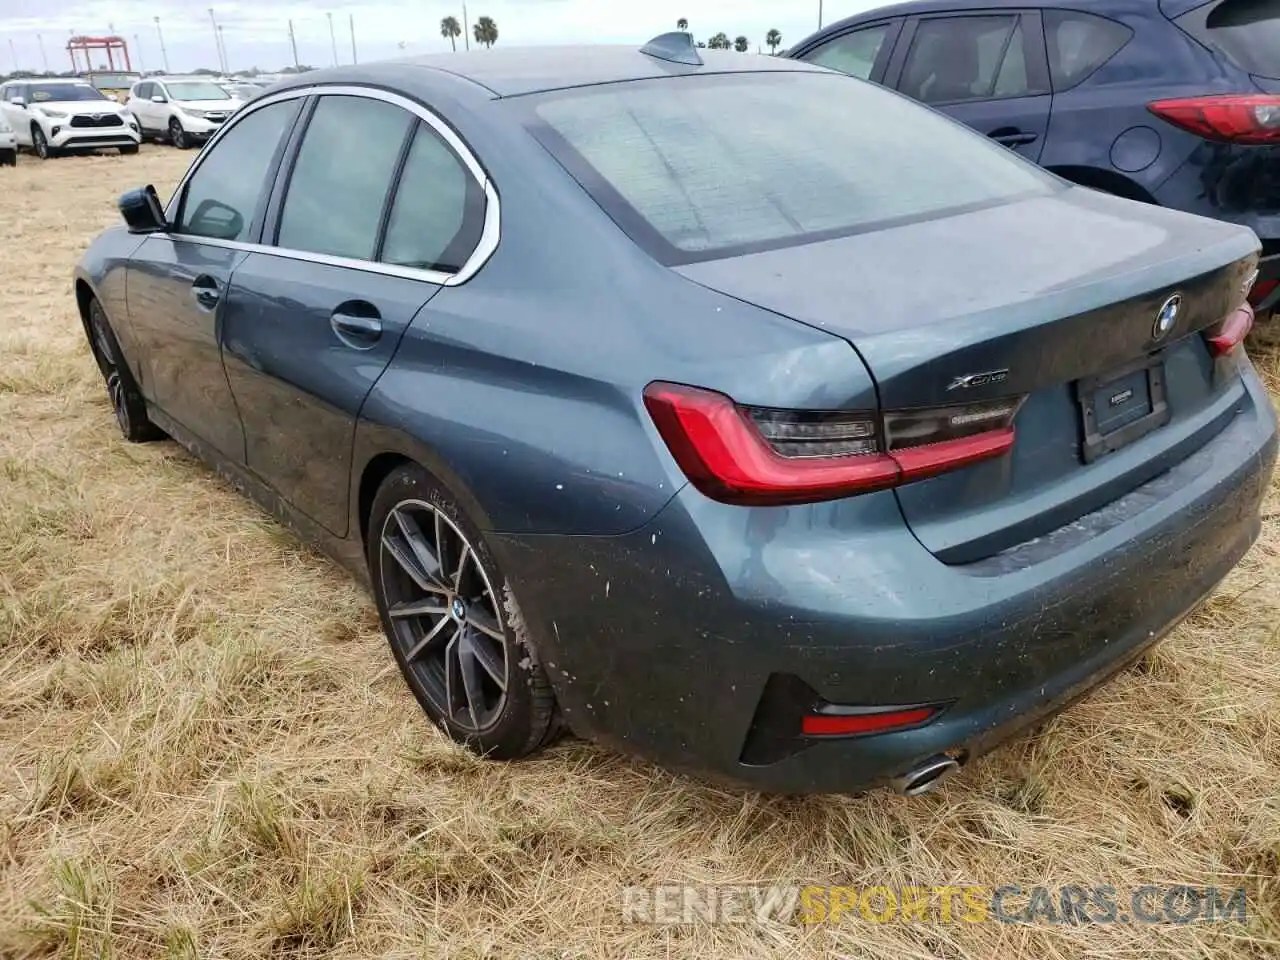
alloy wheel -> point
(445, 615)
(40, 143)
(177, 134)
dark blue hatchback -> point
(1175, 102)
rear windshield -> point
(1246, 32)
(700, 167)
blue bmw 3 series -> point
(726, 410)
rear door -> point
(986, 69)
(862, 51)
(373, 218)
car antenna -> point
(674, 47)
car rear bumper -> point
(663, 641)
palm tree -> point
(719, 42)
(741, 44)
(450, 29)
(485, 31)
(772, 39)
(682, 24)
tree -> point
(772, 39)
(719, 42)
(682, 24)
(485, 31)
(451, 30)
(741, 44)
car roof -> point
(915, 7)
(514, 71)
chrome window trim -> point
(490, 233)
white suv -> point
(180, 109)
(54, 116)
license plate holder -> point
(1121, 405)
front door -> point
(178, 280)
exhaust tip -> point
(925, 776)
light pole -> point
(14, 55)
(352, 24)
(819, 14)
(164, 54)
(217, 44)
(142, 68)
(293, 45)
(466, 30)
(222, 45)
(43, 59)
(333, 39)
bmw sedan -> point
(726, 410)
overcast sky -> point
(255, 32)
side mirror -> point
(142, 211)
(159, 99)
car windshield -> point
(197, 90)
(694, 168)
(62, 92)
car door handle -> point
(205, 290)
(360, 330)
(1015, 138)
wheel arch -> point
(1108, 181)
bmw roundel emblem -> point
(1167, 317)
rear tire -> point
(127, 404)
(467, 655)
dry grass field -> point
(206, 750)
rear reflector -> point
(1229, 333)
(1243, 118)
(850, 724)
(754, 455)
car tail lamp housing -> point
(1232, 118)
(1229, 332)
(767, 456)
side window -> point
(223, 193)
(438, 212)
(342, 176)
(1079, 43)
(852, 53)
(964, 58)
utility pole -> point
(217, 44)
(293, 45)
(333, 39)
(164, 54)
(352, 24)
(466, 30)
(44, 60)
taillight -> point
(1261, 290)
(755, 455)
(1243, 118)
(1228, 333)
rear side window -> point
(710, 166)
(223, 193)
(1246, 32)
(852, 53)
(339, 185)
(1080, 43)
(966, 58)
(438, 212)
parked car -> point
(734, 413)
(8, 145)
(1175, 102)
(114, 84)
(242, 90)
(183, 110)
(60, 116)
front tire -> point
(40, 144)
(126, 399)
(178, 136)
(9, 158)
(452, 621)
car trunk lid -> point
(1053, 298)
